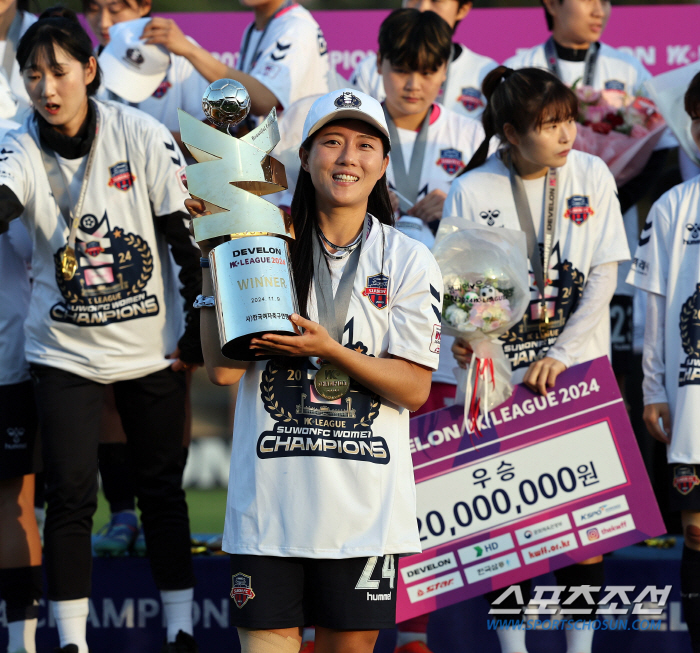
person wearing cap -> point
(97, 188)
(143, 74)
(300, 460)
(466, 70)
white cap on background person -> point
(131, 69)
(345, 104)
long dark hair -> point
(57, 27)
(524, 98)
(305, 219)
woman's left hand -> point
(314, 341)
(542, 374)
(165, 32)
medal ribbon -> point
(550, 53)
(59, 183)
(13, 36)
(333, 311)
(407, 183)
(540, 268)
(249, 32)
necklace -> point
(346, 249)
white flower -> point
(458, 318)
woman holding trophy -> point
(321, 496)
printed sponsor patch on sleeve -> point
(435, 339)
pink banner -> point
(662, 37)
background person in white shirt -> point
(286, 544)
(533, 115)
(461, 91)
(15, 19)
(667, 266)
(112, 321)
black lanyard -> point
(246, 42)
(550, 53)
(540, 268)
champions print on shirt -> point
(525, 342)
(109, 285)
(306, 424)
(690, 339)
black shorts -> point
(621, 333)
(19, 454)
(269, 592)
(685, 486)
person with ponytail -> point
(573, 262)
(96, 187)
(368, 297)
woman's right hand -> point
(652, 414)
(462, 352)
(196, 208)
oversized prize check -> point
(554, 480)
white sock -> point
(580, 641)
(177, 608)
(512, 640)
(309, 635)
(22, 635)
(71, 620)
(403, 638)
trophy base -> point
(239, 349)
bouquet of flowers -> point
(620, 129)
(485, 292)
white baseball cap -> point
(345, 104)
(131, 69)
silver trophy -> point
(250, 265)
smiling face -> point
(578, 23)
(59, 92)
(539, 148)
(449, 10)
(102, 14)
(410, 93)
(345, 162)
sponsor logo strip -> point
(428, 567)
(484, 570)
(550, 548)
(597, 511)
(486, 549)
(606, 529)
(543, 529)
(434, 587)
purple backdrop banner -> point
(662, 37)
(552, 481)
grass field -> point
(206, 509)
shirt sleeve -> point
(416, 309)
(611, 243)
(193, 87)
(650, 264)
(360, 77)
(16, 182)
(653, 364)
(164, 170)
(570, 346)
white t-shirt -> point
(118, 317)
(461, 93)
(16, 81)
(15, 258)
(452, 140)
(291, 493)
(667, 262)
(292, 60)
(589, 232)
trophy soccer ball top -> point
(226, 102)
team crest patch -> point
(377, 290)
(579, 208)
(241, 589)
(615, 85)
(347, 100)
(685, 478)
(450, 160)
(121, 176)
(162, 89)
(471, 98)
